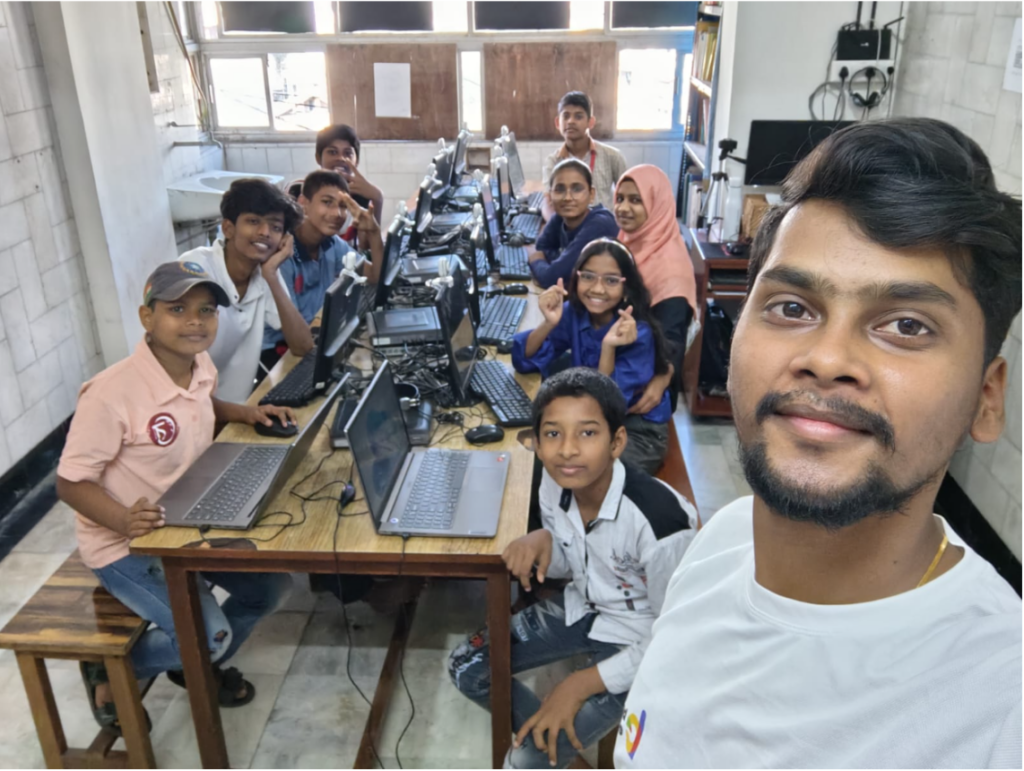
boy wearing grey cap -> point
(137, 428)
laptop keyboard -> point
(500, 317)
(297, 387)
(224, 501)
(503, 394)
(435, 493)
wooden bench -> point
(73, 617)
(673, 473)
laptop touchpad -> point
(484, 480)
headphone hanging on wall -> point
(870, 99)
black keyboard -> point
(506, 398)
(224, 501)
(296, 389)
(527, 224)
(535, 200)
(514, 262)
(435, 493)
(500, 318)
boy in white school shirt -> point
(833, 620)
(258, 221)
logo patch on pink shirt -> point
(163, 429)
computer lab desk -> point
(321, 542)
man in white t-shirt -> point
(257, 226)
(833, 620)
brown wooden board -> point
(435, 90)
(524, 81)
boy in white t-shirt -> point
(833, 620)
(258, 221)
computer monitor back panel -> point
(515, 165)
(776, 146)
(458, 334)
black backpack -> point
(714, 357)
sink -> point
(198, 197)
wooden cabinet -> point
(720, 277)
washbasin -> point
(198, 197)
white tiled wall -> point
(952, 69)
(48, 344)
(397, 168)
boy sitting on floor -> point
(617, 534)
(138, 427)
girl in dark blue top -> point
(606, 323)
(576, 223)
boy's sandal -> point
(229, 683)
(94, 674)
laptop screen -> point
(515, 164)
(458, 333)
(379, 441)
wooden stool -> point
(73, 617)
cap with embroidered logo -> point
(172, 280)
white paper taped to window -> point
(1012, 78)
(392, 90)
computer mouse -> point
(348, 494)
(277, 428)
(516, 289)
(504, 346)
(485, 434)
(516, 240)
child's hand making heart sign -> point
(623, 331)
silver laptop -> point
(428, 492)
(231, 484)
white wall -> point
(48, 343)
(397, 168)
(953, 70)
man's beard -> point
(832, 508)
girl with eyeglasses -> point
(576, 222)
(604, 319)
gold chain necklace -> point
(935, 562)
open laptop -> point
(446, 493)
(232, 483)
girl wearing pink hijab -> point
(645, 211)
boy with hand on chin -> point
(137, 428)
(258, 220)
(617, 534)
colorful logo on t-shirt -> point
(634, 732)
(193, 267)
(163, 429)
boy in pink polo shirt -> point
(138, 426)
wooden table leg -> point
(195, 663)
(130, 712)
(44, 709)
(499, 617)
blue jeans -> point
(539, 637)
(139, 583)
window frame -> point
(261, 44)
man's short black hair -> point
(317, 180)
(578, 382)
(916, 183)
(576, 99)
(332, 134)
(257, 196)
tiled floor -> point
(306, 713)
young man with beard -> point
(833, 620)
(258, 220)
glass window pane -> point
(298, 91)
(495, 15)
(647, 80)
(273, 17)
(586, 14)
(210, 19)
(472, 91)
(238, 93)
(684, 99)
(450, 16)
(323, 12)
(386, 17)
(644, 15)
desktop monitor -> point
(491, 218)
(459, 157)
(339, 321)
(458, 334)
(422, 217)
(515, 165)
(443, 163)
(776, 146)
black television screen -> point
(776, 146)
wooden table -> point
(323, 543)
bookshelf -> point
(700, 110)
